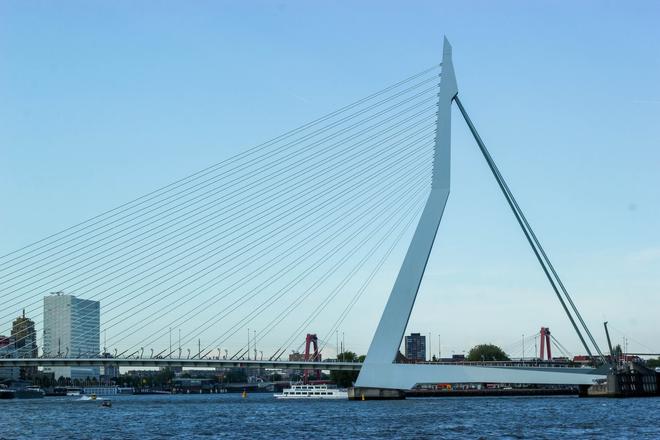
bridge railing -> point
(508, 364)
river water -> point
(261, 416)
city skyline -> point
(22, 342)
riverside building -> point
(25, 343)
(7, 351)
(71, 329)
(416, 347)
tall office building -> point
(71, 329)
(25, 342)
(416, 347)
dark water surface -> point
(261, 416)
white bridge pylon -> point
(379, 369)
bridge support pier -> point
(365, 393)
(629, 381)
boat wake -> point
(90, 399)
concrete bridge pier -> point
(365, 393)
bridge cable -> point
(299, 299)
(106, 322)
(256, 311)
(157, 217)
(418, 113)
(531, 238)
(367, 281)
(269, 281)
(129, 202)
(292, 247)
(107, 289)
(246, 153)
(312, 235)
(284, 147)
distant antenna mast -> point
(609, 341)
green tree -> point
(653, 363)
(486, 352)
(346, 378)
(164, 377)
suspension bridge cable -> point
(255, 290)
(304, 215)
(286, 146)
(543, 253)
(552, 269)
(370, 138)
(533, 243)
(330, 297)
(560, 347)
(156, 217)
(378, 125)
(253, 228)
(356, 297)
(311, 268)
(166, 306)
(215, 224)
(246, 153)
(313, 234)
(297, 301)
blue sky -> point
(104, 101)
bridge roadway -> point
(174, 362)
(515, 372)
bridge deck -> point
(170, 362)
(239, 363)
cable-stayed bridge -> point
(288, 236)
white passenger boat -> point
(299, 391)
(72, 391)
(101, 391)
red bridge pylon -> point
(545, 343)
(309, 340)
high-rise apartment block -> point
(416, 347)
(71, 329)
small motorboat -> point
(6, 393)
(31, 392)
